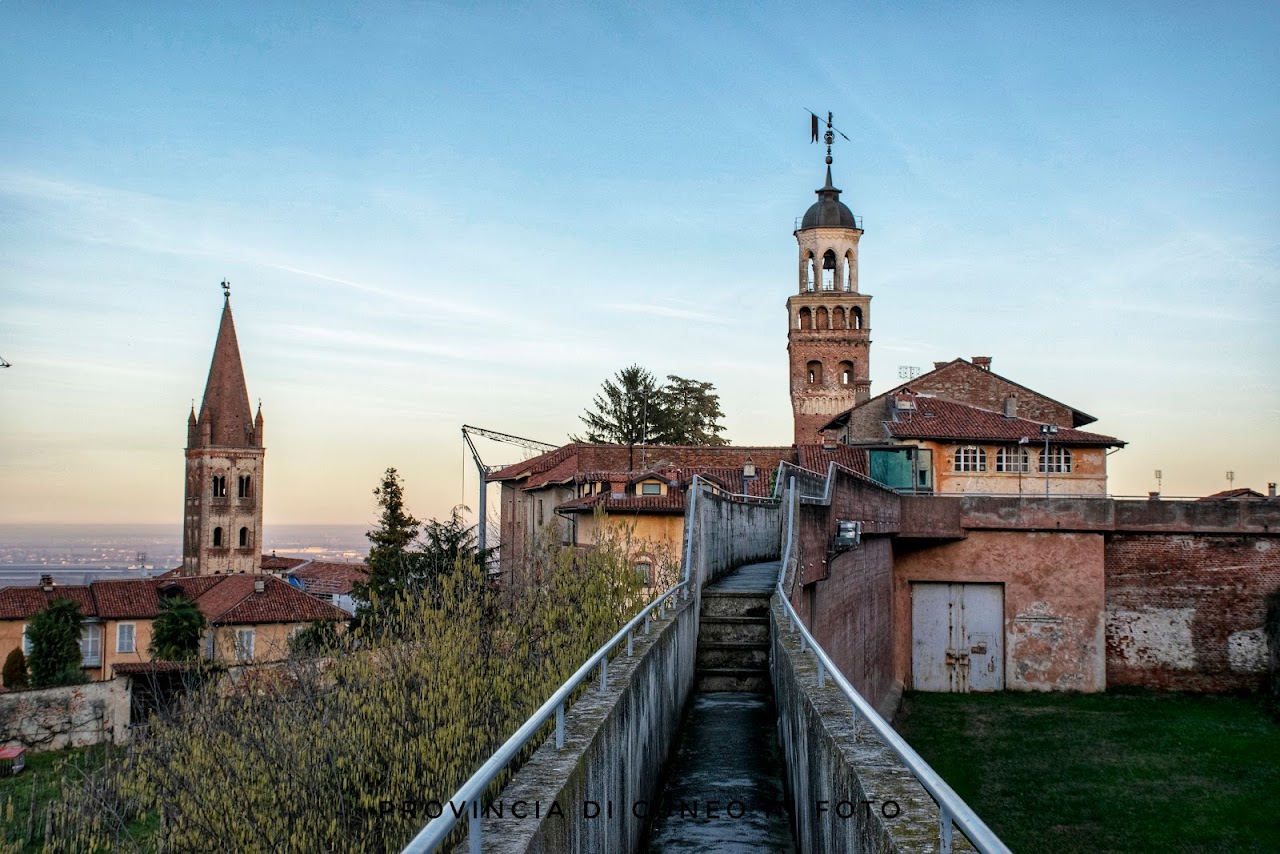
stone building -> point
(222, 508)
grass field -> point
(1117, 772)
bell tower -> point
(222, 512)
(828, 336)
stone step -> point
(735, 605)
(734, 630)
(733, 679)
(738, 656)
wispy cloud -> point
(669, 311)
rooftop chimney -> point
(983, 362)
(1011, 406)
(46, 583)
(1271, 490)
(259, 586)
(829, 442)
(937, 365)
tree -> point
(15, 670)
(634, 409)
(690, 413)
(319, 637)
(390, 561)
(54, 634)
(176, 630)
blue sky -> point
(437, 214)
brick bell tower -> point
(222, 513)
(828, 337)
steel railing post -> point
(560, 725)
(474, 834)
(630, 643)
(604, 674)
(822, 674)
(945, 830)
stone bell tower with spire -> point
(222, 512)
(828, 337)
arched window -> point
(244, 490)
(644, 572)
(838, 320)
(217, 538)
(822, 320)
(244, 538)
(829, 271)
(815, 373)
(857, 318)
(1058, 460)
(846, 373)
(970, 458)
(219, 486)
(847, 273)
(1012, 459)
(808, 271)
(806, 318)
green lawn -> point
(1120, 772)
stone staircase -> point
(733, 640)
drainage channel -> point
(723, 785)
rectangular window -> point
(26, 642)
(210, 645)
(650, 489)
(90, 645)
(125, 637)
(540, 517)
(644, 572)
(244, 644)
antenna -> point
(1159, 479)
(226, 289)
(1231, 479)
(908, 372)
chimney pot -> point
(983, 362)
(259, 586)
(46, 583)
(937, 365)
(1271, 490)
(1153, 496)
(1011, 406)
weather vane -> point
(829, 136)
(226, 289)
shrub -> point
(54, 634)
(15, 670)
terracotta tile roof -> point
(236, 602)
(335, 579)
(1244, 493)
(563, 472)
(141, 668)
(130, 598)
(271, 563)
(192, 587)
(938, 419)
(534, 465)
(19, 603)
(817, 458)
(672, 502)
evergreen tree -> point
(54, 634)
(632, 408)
(176, 630)
(392, 565)
(15, 670)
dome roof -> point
(828, 211)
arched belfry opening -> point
(829, 271)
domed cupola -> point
(828, 211)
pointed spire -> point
(225, 416)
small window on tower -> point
(217, 538)
(243, 488)
(244, 538)
(857, 317)
(829, 271)
(808, 272)
(815, 373)
(846, 373)
(846, 280)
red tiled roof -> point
(563, 472)
(135, 597)
(1244, 493)
(237, 603)
(18, 603)
(137, 668)
(672, 502)
(329, 578)
(271, 563)
(817, 458)
(938, 419)
(534, 465)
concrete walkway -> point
(723, 789)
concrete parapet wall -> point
(729, 534)
(616, 744)
(69, 716)
(848, 791)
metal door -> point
(957, 637)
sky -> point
(437, 214)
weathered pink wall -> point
(1053, 601)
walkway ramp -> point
(733, 634)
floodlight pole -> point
(1048, 430)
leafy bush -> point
(176, 630)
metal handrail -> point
(467, 798)
(951, 808)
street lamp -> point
(1047, 430)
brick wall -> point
(1185, 611)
